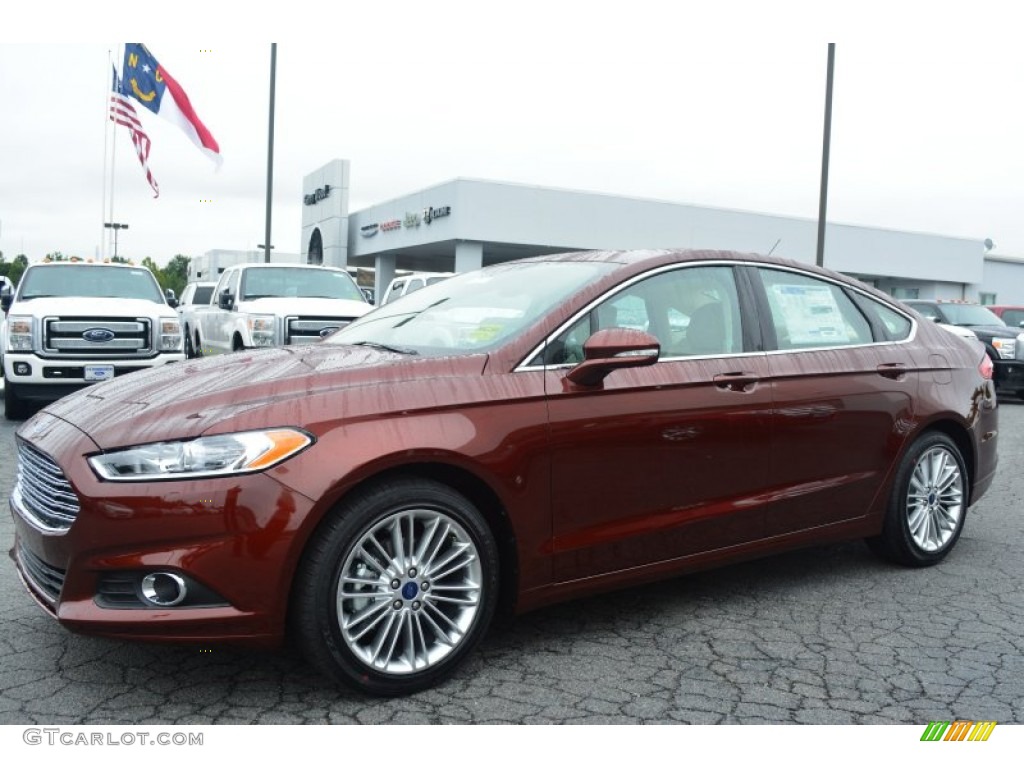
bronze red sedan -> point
(508, 438)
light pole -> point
(115, 226)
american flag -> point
(123, 113)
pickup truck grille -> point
(306, 330)
(97, 337)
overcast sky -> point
(669, 101)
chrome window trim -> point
(522, 367)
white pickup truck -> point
(272, 305)
(71, 324)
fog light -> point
(22, 369)
(163, 589)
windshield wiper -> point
(385, 347)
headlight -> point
(213, 456)
(19, 333)
(170, 335)
(261, 330)
(1005, 347)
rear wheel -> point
(928, 504)
(190, 351)
(398, 588)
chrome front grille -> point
(46, 579)
(41, 493)
(305, 330)
(69, 336)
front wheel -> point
(397, 589)
(928, 504)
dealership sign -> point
(320, 194)
(369, 230)
(411, 220)
(429, 214)
(387, 226)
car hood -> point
(67, 306)
(249, 390)
(307, 306)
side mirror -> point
(6, 299)
(611, 349)
(172, 300)
(225, 300)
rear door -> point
(843, 381)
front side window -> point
(692, 311)
(810, 313)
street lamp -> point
(115, 226)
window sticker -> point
(811, 314)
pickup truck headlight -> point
(170, 335)
(261, 330)
(19, 333)
(213, 456)
(1005, 347)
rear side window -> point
(896, 325)
(809, 313)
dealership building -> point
(464, 224)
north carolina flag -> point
(149, 83)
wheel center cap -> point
(931, 499)
(410, 590)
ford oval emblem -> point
(98, 335)
(325, 332)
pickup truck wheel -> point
(14, 406)
(190, 351)
(237, 345)
(197, 348)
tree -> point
(17, 268)
(176, 274)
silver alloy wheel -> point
(409, 591)
(935, 499)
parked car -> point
(403, 286)
(70, 324)
(1005, 345)
(1012, 316)
(273, 305)
(496, 442)
(194, 295)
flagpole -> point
(106, 142)
(270, 153)
(113, 166)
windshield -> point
(275, 282)
(92, 281)
(970, 314)
(474, 311)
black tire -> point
(14, 406)
(236, 344)
(928, 504)
(190, 351)
(406, 620)
(198, 346)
